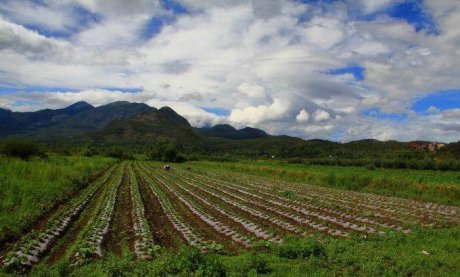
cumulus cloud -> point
(303, 116)
(321, 115)
(268, 63)
(276, 111)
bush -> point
(166, 152)
(90, 151)
(191, 260)
(298, 248)
(258, 264)
(22, 149)
(170, 154)
(118, 153)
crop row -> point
(91, 240)
(293, 213)
(186, 230)
(412, 208)
(210, 219)
(144, 245)
(32, 246)
(388, 208)
(334, 217)
(247, 224)
(242, 205)
(266, 212)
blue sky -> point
(356, 70)
(340, 70)
(442, 100)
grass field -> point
(246, 219)
(30, 189)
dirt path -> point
(121, 234)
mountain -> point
(15, 123)
(170, 115)
(147, 127)
(138, 125)
(73, 120)
(99, 117)
(228, 132)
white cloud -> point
(451, 114)
(321, 115)
(51, 15)
(252, 90)
(256, 59)
(303, 116)
(254, 115)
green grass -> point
(426, 252)
(30, 188)
(436, 186)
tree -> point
(170, 153)
(22, 149)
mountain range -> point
(115, 122)
(137, 124)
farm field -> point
(441, 187)
(138, 218)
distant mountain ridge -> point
(130, 123)
(229, 132)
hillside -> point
(147, 127)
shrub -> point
(90, 151)
(22, 149)
(298, 248)
(118, 153)
(258, 264)
(180, 159)
(170, 154)
(191, 260)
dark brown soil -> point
(121, 233)
(162, 229)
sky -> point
(340, 70)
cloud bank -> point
(340, 70)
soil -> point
(162, 229)
(121, 233)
